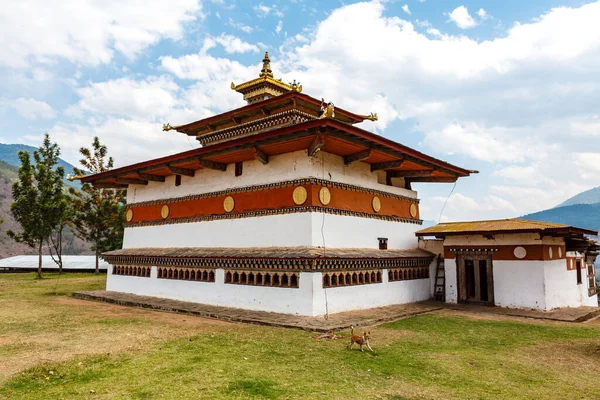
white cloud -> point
(263, 10)
(149, 99)
(521, 107)
(434, 32)
(238, 25)
(406, 9)
(279, 27)
(233, 44)
(29, 108)
(461, 17)
(128, 141)
(88, 32)
(483, 14)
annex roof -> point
(513, 225)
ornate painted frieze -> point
(278, 120)
(351, 278)
(301, 195)
(262, 278)
(186, 274)
(131, 270)
(403, 274)
(274, 264)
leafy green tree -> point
(38, 197)
(99, 213)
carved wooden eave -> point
(332, 136)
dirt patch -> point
(114, 310)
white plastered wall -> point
(284, 167)
(285, 230)
(309, 299)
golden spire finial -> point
(266, 69)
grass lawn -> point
(56, 347)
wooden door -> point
(475, 277)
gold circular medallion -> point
(413, 210)
(228, 204)
(300, 195)
(164, 211)
(324, 196)
(129, 215)
(376, 203)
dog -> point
(360, 340)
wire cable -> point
(444, 206)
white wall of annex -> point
(295, 165)
(562, 289)
(520, 284)
(517, 284)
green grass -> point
(140, 354)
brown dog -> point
(360, 340)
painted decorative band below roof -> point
(266, 186)
(530, 252)
(283, 199)
(278, 120)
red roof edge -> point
(280, 132)
(268, 102)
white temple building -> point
(289, 207)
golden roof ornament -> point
(327, 110)
(168, 127)
(265, 86)
(266, 69)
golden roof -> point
(513, 225)
(258, 87)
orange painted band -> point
(540, 252)
(276, 198)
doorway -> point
(475, 277)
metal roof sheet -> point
(69, 263)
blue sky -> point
(508, 88)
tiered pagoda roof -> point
(279, 119)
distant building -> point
(516, 263)
(70, 263)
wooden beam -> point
(261, 156)
(214, 165)
(181, 171)
(361, 155)
(316, 145)
(386, 165)
(132, 181)
(106, 185)
(150, 177)
(409, 174)
(442, 179)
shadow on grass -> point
(254, 388)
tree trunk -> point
(97, 264)
(39, 272)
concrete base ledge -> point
(567, 314)
(334, 322)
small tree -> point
(98, 213)
(55, 242)
(38, 195)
